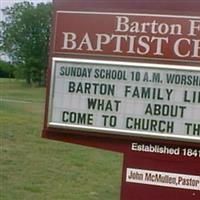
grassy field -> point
(32, 168)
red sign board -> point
(156, 171)
(128, 35)
(124, 76)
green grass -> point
(18, 90)
(32, 168)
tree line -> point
(24, 39)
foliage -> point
(6, 70)
(25, 38)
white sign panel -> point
(163, 179)
(152, 100)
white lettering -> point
(196, 53)
(122, 24)
(159, 42)
(69, 42)
(177, 47)
(143, 44)
(118, 42)
(102, 39)
(86, 41)
(194, 27)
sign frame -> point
(112, 131)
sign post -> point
(128, 80)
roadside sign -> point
(125, 76)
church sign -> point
(125, 76)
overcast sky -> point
(5, 3)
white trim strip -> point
(129, 14)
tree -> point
(6, 70)
(25, 38)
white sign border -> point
(133, 133)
